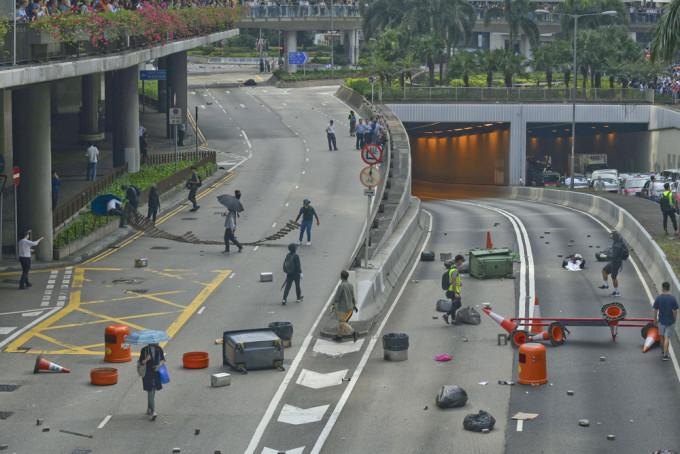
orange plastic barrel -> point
(196, 360)
(104, 376)
(532, 365)
(116, 349)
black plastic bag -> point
(427, 256)
(443, 305)
(451, 396)
(468, 315)
(478, 422)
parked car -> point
(604, 173)
(580, 181)
(670, 174)
(611, 185)
(658, 189)
(548, 178)
(631, 186)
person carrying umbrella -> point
(150, 361)
(234, 206)
(308, 214)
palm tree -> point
(519, 14)
(488, 61)
(591, 7)
(666, 35)
(381, 14)
(510, 65)
(430, 47)
(550, 57)
(462, 65)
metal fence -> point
(301, 11)
(167, 158)
(514, 94)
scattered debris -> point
(478, 422)
(425, 407)
(451, 396)
(583, 422)
(218, 341)
(483, 383)
(570, 392)
(46, 429)
(443, 358)
(504, 382)
(611, 437)
(602, 358)
(197, 431)
(39, 422)
(347, 379)
(415, 281)
(525, 416)
(74, 433)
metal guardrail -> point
(167, 158)
(514, 94)
(254, 12)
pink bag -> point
(443, 358)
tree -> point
(510, 64)
(429, 47)
(462, 65)
(382, 14)
(519, 14)
(593, 7)
(489, 61)
(549, 58)
(666, 35)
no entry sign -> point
(371, 154)
(15, 175)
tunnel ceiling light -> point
(605, 126)
(438, 132)
(554, 130)
(469, 127)
(459, 129)
(489, 124)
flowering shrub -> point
(157, 25)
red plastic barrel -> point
(116, 349)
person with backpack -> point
(192, 185)
(132, 194)
(453, 290)
(293, 270)
(619, 254)
(667, 204)
(352, 123)
(308, 214)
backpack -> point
(446, 281)
(625, 253)
(289, 264)
(665, 202)
(137, 190)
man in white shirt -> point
(114, 208)
(330, 135)
(25, 250)
(92, 155)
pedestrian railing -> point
(166, 158)
(301, 11)
(514, 94)
(70, 208)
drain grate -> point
(5, 414)
(8, 388)
(24, 349)
(123, 281)
(139, 290)
(161, 248)
(189, 219)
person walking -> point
(667, 204)
(180, 134)
(25, 250)
(614, 266)
(359, 134)
(308, 214)
(55, 189)
(454, 290)
(352, 123)
(151, 357)
(346, 303)
(293, 269)
(193, 184)
(229, 231)
(599, 184)
(92, 155)
(665, 314)
(652, 190)
(330, 135)
(154, 203)
(144, 147)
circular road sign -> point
(15, 175)
(370, 177)
(371, 79)
(371, 154)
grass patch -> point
(150, 89)
(672, 251)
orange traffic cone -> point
(535, 328)
(42, 364)
(651, 335)
(489, 245)
(506, 324)
(544, 335)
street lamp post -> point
(332, 41)
(573, 89)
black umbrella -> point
(231, 202)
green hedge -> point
(150, 89)
(319, 74)
(86, 222)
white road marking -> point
(337, 349)
(287, 203)
(273, 225)
(300, 450)
(226, 91)
(233, 274)
(29, 326)
(243, 106)
(255, 248)
(520, 425)
(296, 416)
(60, 303)
(316, 380)
(20, 312)
(200, 311)
(49, 287)
(103, 423)
(52, 281)
(364, 359)
(4, 330)
(48, 292)
(31, 314)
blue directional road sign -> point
(297, 58)
(161, 74)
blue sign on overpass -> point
(297, 58)
(161, 74)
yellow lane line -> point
(161, 300)
(259, 77)
(199, 133)
(162, 219)
(73, 348)
(160, 273)
(97, 322)
(188, 312)
(136, 295)
(103, 269)
(117, 320)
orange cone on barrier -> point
(543, 336)
(651, 335)
(489, 245)
(506, 324)
(42, 364)
(536, 329)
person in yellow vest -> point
(668, 208)
(454, 289)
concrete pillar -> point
(162, 87)
(126, 119)
(289, 45)
(91, 91)
(177, 79)
(353, 47)
(33, 155)
(109, 102)
(7, 236)
(518, 148)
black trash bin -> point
(284, 330)
(395, 346)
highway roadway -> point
(274, 150)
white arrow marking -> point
(315, 380)
(337, 349)
(294, 415)
(277, 451)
